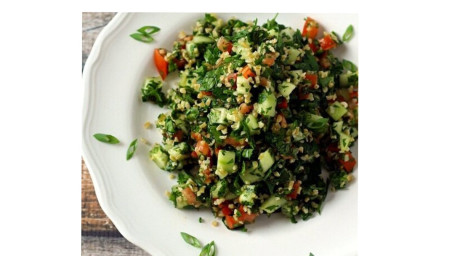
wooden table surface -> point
(99, 235)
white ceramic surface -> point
(132, 193)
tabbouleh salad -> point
(258, 112)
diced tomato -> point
(333, 147)
(206, 93)
(244, 108)
(207, 176)
(179, 135)
(295, 190)
(304, 96)
(160, 63)
(327, 42)
(234, 142)
(194, 154)
(225, 209)
(196, 136)
(224, 45)
(310, 28)
(202, 148)
(247, 72)
(313, 47)
(180, 63)
(245, 217)
(189, 195)
(353, 94)
(348, 165)
(229, 47)
(230, 222)
(232, 78)
(263, 81)
(283, 103)
(269, 58)
(313, 78)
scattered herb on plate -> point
(191, 240)
(131, 149)
(145, 33)
(106, 138)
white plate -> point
(132, 193)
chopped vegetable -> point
(191, 240)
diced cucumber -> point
(234, 115)
(272, 204)
(181, 125)
(220, 189)
(293, 54)
(191, 48)
(248, 195)
(287, 34)
(286, 88)
(296, 76)
(252, 124)
(177, 197)
(217, 116)
(344, 139)
(266, 160)
(252, 174)
(336, 110)
(226, 162)
(267, 104)
(179, 152)
(243, 85)
(348, 79)
(159, 156)
(202, 40)
(290, 209)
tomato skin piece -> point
(202, 148)
(196, 136)
(310, 28)
(189, 195)
(295, 190)
(160, 63)
(313, 78)
(179, 135)
(235, 143)
(282, 104)
(348, 166)
(245, 217)
(230, 222)
(193, 154)
(207, 93)
(247, 72)
(327, 43)
(232, 77)
(229, 47)
(313, 47)
(245, 109)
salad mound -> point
(259, 111)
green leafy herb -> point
(151, 91)
(246, 153)
(208, 250)
(145, 33)
(201, 220)
(348, 33)
(189, 239)
(131, 149)
(311, 254)
(106, 138)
